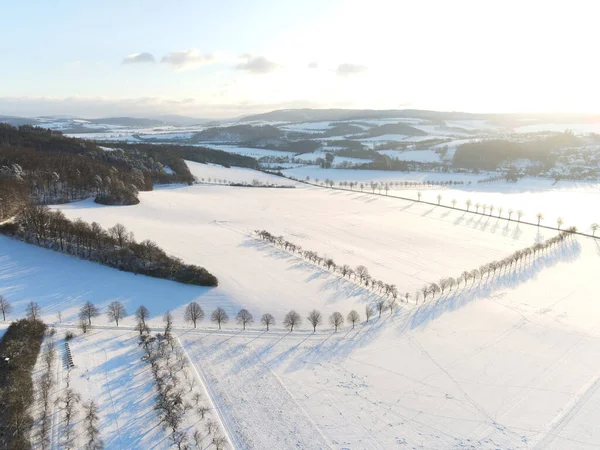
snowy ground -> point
(511, 365)
(203, 172)
(248, 151)
(566, 199)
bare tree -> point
(197, 439)
(168, 320)
(336, 320)
(453, 203)
(520, 214)
(594, 228)
(353, 317)
(559, 222)
(219, 442)
(368, 312)
(510, 213)
(142, 315)
(68, 405)
(83, 326)
(315, 318)
(392, 305)
(119, 234)
(5, 307)
(202, 410)
(33, 311)
(362, 273)
(210, 426)
(219, 316)
(244, 318)
(193, 313)
(267, 320)
(539, 217)
(439, 198)
(116, 311)
(468, 203)
(380, 306)
(291, 320)
(92, 432)
(88, 311)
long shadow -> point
(427, 312)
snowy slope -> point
(511, 364)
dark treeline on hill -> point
(170, 152)
(115, 247)
(487, 155)
(21, 344)
(395, 128)
(59, 177)
(238, 133)
(41, 166)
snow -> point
(234, 174)
(560, 127)
(249, 151)
(509, 364)
(378, 175)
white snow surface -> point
(511, 364)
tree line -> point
(115, 247)
(490, 269)
(359, 274)
(176, 391)
(42, 166)
(19, 349)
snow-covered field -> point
(212, 173)
(508, 365)
(248, 151)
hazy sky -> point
(224, 58)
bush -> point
(69, 335)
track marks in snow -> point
(261, 411)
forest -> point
(21, 345)
(42, 166)
(488, 155)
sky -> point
(228, 58)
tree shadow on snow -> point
(426, 312)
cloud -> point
(347, 69)
(257, 65)
(139, 58)
(313, 65)
(185, 59)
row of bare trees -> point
(45, 384)
(19, 349)
(359, 274)
(70, 405)
(176, 390)
(485, 271)
(115, 247)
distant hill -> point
(317, 115)
(128, 122)
(18, 121)
(181, 121)
(395, 128)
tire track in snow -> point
(568, 413)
